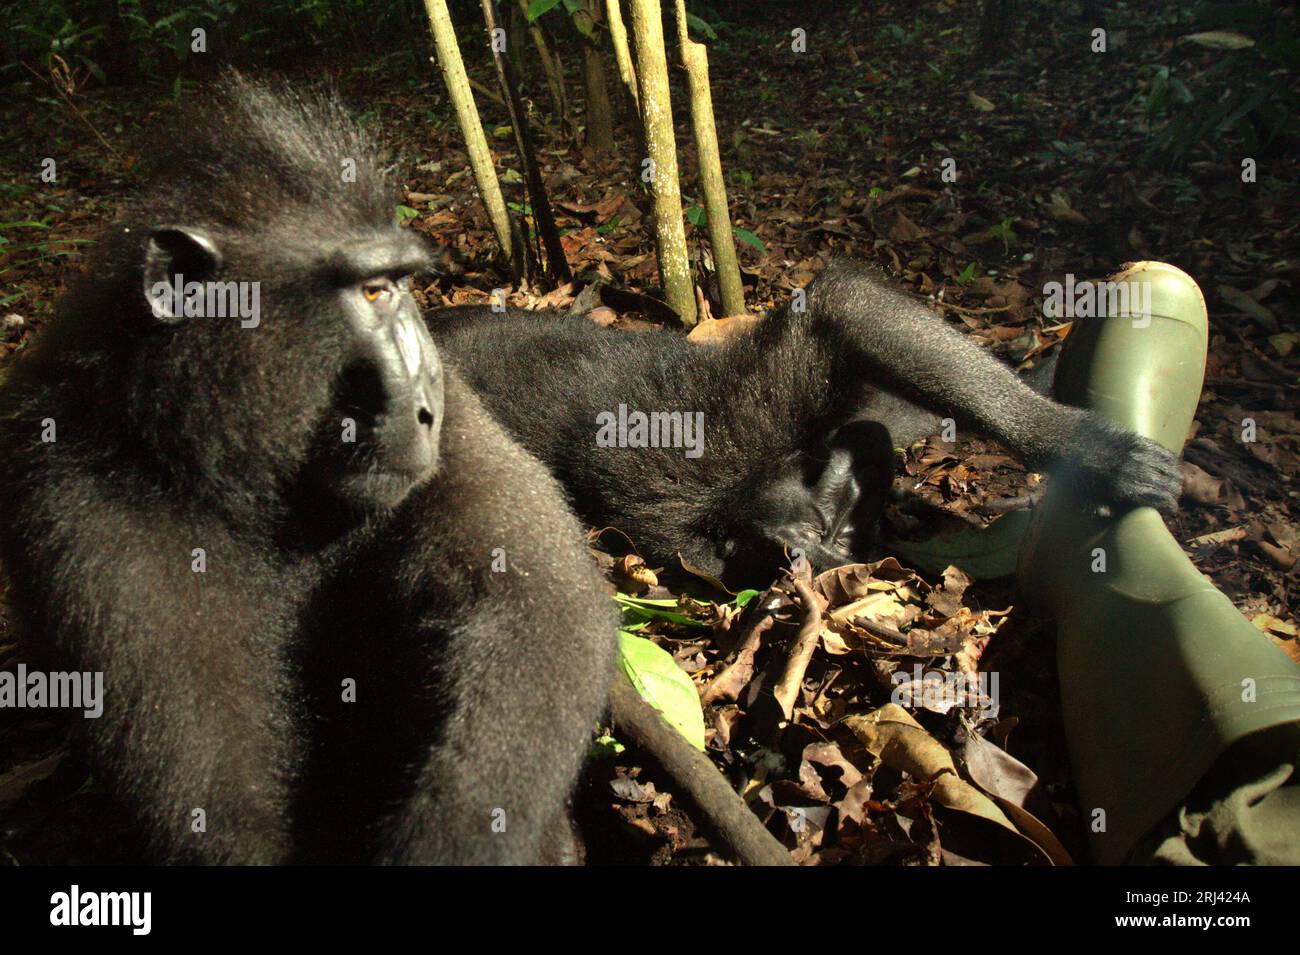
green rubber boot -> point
(1180, 716)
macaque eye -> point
(376, 290)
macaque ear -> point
(172, 258)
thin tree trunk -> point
(657, 118)
(600, 115)
(696, 58)
(556, 264)
(552, 68)
(518, 27)
(480, 158)
(622, 55)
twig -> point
(488, 92)
(1224, 536)
(728, 683)
(59, 88)
(787, 689)
(962, 310)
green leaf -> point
(700, 26)
(585, 24)
(967, 275)
(171, 18)
(95, 69)
(406, 212)
(1220, 40)
(538, 7)
(605, 747)
(744, 235)
(695, 215)
(1004, 232)
(744, 597)
(655, 610)
(663, 684)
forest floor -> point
(837, 151)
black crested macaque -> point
(340, 615)
(800, 418)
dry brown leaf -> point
(900, 742)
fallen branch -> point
(721, 806)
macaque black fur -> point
(327, 560)
(801, 418)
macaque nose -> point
(428, 393)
